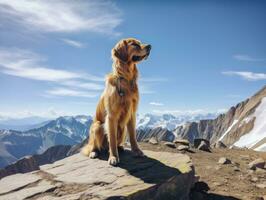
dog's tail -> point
(97, 140)
(86, 150)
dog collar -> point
(120, 91)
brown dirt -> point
(224, 181)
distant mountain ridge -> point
(61, 131)
(170, 121)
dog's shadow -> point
(145, 168)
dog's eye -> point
(136, 45)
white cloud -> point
(83, 85)
(63, 16)
(26, 64)
(144, 89)
(152, 79)
(250, 76)
(47, 113)
(73, 43)
(70, 93)
(156, 104)
(243, 57)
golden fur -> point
(117, 107)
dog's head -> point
(130, 51)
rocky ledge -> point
(159, 175)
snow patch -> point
(228, 130)
(246, 120)
(259, 130)
(261, 148)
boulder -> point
(204, 146)
(182, 141)
(153, 141)
(219, 145)
(170, 144)
(159, 175)
(258, 163)
(198, 141)
(183, 148)
(224, 161)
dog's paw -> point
(113, 160)
(93, 155)
(137, 153)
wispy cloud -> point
(70, 93)
(26, 64)
(156, 104)
(47, 113)
(73, 43)
(250, 76)
(243, 57)
(63, 16)
(152, 79)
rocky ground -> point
(158, 176)
(223, 181)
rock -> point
(258, 163)
(261, 185)
(260, 198)
(153, 141)
(236, 169)
(201, 187)
(182, 141)
(198, 142)
(183, 148)
(11, 183)
(219, 145)
(146, 140)
(254, 179)
(170, 144)
(159, 175)
(224, 161)
(204, 146)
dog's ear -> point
(120, 51)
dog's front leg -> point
(112, 133)
(131, 127)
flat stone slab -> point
(159, 175)
(28, 192)
(16, 181)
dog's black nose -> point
(148, 47)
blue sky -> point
(206, 56)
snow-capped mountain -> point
(63, 130)
(244, 125)
(170, 121)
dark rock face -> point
(161, 134)
(258, 163)
(31, 163)
(219, 145)
(204, 146)
(197, 142)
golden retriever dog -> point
(117, 107)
